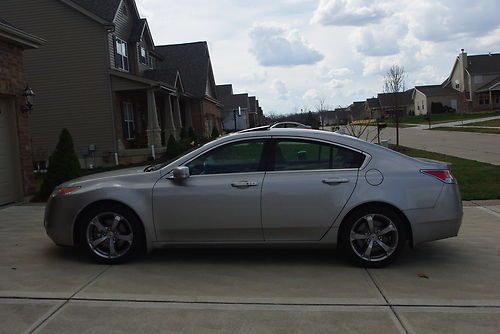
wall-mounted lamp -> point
(28, 96)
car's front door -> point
(219, 201)
(310, 183)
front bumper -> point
(59, 220)
(440, 222)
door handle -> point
(244, 184)
(335, 181)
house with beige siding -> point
(101, 76)
(424, 96)
(476, 79)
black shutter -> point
(115, 53)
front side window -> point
(310, 155)
(143, 57)
(238, 157)
(121, 54)
(484, 99)
(128, 121)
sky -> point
(293, 53)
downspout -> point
(110, 29)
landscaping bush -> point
(63, 165)
(192, 135)
(215, 133)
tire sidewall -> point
(138, 242)
(352, 218)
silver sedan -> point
(267, 187)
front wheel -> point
(111, 234)
(373, 237)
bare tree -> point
(394, 83)
(362, 130)
(321, 107)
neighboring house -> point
(97, 78)
(477, 79)
(424, 96)
(357, 111)
(192, 60)
(372, 106)
(253, 115)
(236, 108)
(16, 163)
(390, 102)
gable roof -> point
(170, 76)
(389, 99)
(224, 90)
(495, 83)
(373, 103)
(436, 90)
(139, 29)
(105, 9)
(19, 37)
(488, 63)
(193, 62)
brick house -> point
(16, 168)
(102, 77)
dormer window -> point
(143, 56)
(121, 55)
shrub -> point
(215, 133)
(172, 148)
(184, 133)
(192, 135)
(63, 164)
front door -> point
(309, 185)
(220, 201)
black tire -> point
(128, 233)
(356, 236)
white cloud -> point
(279, 87)
(348, 12)
(275, 46)
(382, 41)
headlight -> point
(64, 191)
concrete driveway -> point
(445, 286)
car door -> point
(309, 184)
(219, 201)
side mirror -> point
(181, 173)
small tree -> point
(184, 133)
(63, 164)
(394, 82)
(172, 148)
(192, 135)
(215, 133)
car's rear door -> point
(309, 183)
(220, 201)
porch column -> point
(169, 118)
(491, 100)
(153, 130)
(177, 113)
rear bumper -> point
(440, 222)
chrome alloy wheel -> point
(374, 237)
(109, 235)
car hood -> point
(106, 175)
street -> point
(449, 285)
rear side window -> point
(311, 155)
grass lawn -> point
(443, 118)
(468, 129)
(477, 180)
(493, 122)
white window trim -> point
(119, 44)
(128, 120)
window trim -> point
(363, 165)
(127, 122)
(118, 40)
(264, 157)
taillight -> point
(442, 174)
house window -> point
(128, 121)
(121, 55)
(484, 99)
(497, 99)
(143, 56)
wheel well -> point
(377, 205)
(79, 221)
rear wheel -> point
(374, 237)
(111, 234)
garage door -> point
(9, 182)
